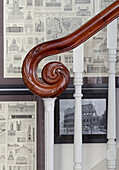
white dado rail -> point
(56, 78)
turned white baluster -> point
(49, 133)
(111, 131)
(78, 71)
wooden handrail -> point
(55, 75)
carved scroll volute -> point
(55, 76)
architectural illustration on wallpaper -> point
(67, 5)
(11, 130)
(105, 3)
(23, 150)
(18, 125)
(18, 136)
(38, 2)
(2, 126)
(29, 137)
(15, 13)
(3, 167)
(2, 137)
(29, 2)
(13, 46)
(39, 25)
(93, 118)
(0, 106)
(30, 22)
(1, 117)
(58, 27)
(83, 12)
(21, 107)
(19, 168)
(7, 2)
(29, 41)
(82, 1)
(14, 29)
(53, 3)
(11, 157)
(21, 160)
(22, 48)
(21, 139)
(13, 69)
(2, 157)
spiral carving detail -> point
(55, 76)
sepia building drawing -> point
(28, 23)
(68, 5)
(23, 47)
(3, 168)
(17, 58)
(53, 3)
(16, 13)
(7, 2)
(14, 29)
(82, 1)
(13, 46)
(21, 160)
(11, 131)
(11, 157)
(38, 2)
(23, 150)
(18, 125)
(17, 138)
(21, 107)
(29, 137)
(13, 69)
(1, 117)
(21, 139)
(83, 12)
(30, 41)
(29, 2)
(39, 26)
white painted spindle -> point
(49, 133)
(78, 71)
(111, 131)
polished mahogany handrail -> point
(55, 75)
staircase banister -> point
(55, 75)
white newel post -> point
(111, 131)
(49, 133)
(78, 81)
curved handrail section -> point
(55, 76)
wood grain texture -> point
(57, 77)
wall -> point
(92, 153)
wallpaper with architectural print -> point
(18, 136)
(30, 22)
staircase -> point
(56, 77)
(103, 164)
